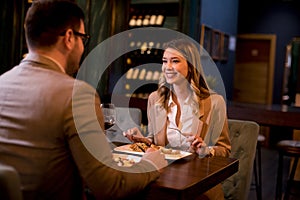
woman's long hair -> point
(195, 77)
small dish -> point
(125, 160)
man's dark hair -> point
(46, 20)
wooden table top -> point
(266, 115)
(191, 176)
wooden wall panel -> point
(251, 83)
(254, 68)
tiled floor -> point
(269, 174)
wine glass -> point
(109, 114)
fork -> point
(180, 133)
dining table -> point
(190, 177)
(281, 120)
(185, 178)
(274, 115)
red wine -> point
(107, 125)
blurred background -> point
(254, 44)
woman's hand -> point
(199, 146)
(197, 142)
(135, 135)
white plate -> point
(125, 160)
(126, 149)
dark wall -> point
(100, 14)
(281, 18)
(222, 15)
(278, 17)
(12, 15)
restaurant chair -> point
(243, 136)
(291, 149)
(126, 118)
(10, 184)
(257, 167)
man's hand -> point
(155, 157)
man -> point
(51, 125)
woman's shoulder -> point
(216, 96)
(153, 95)
(153, 98)
(217, 99)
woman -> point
(184, 113)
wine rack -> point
(143, 63)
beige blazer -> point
(213, 107)
(50, 131)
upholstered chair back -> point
(243, 135)
(126, 118)
(10, 184)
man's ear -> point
(69, 39)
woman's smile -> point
(170, 74)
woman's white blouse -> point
(177, 134)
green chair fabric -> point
(243, 135)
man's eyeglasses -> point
(84, 37)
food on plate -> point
(142, 147)
(139, 147)
(170, 151)
(170, 154)
(123, 161)
(142, 140)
